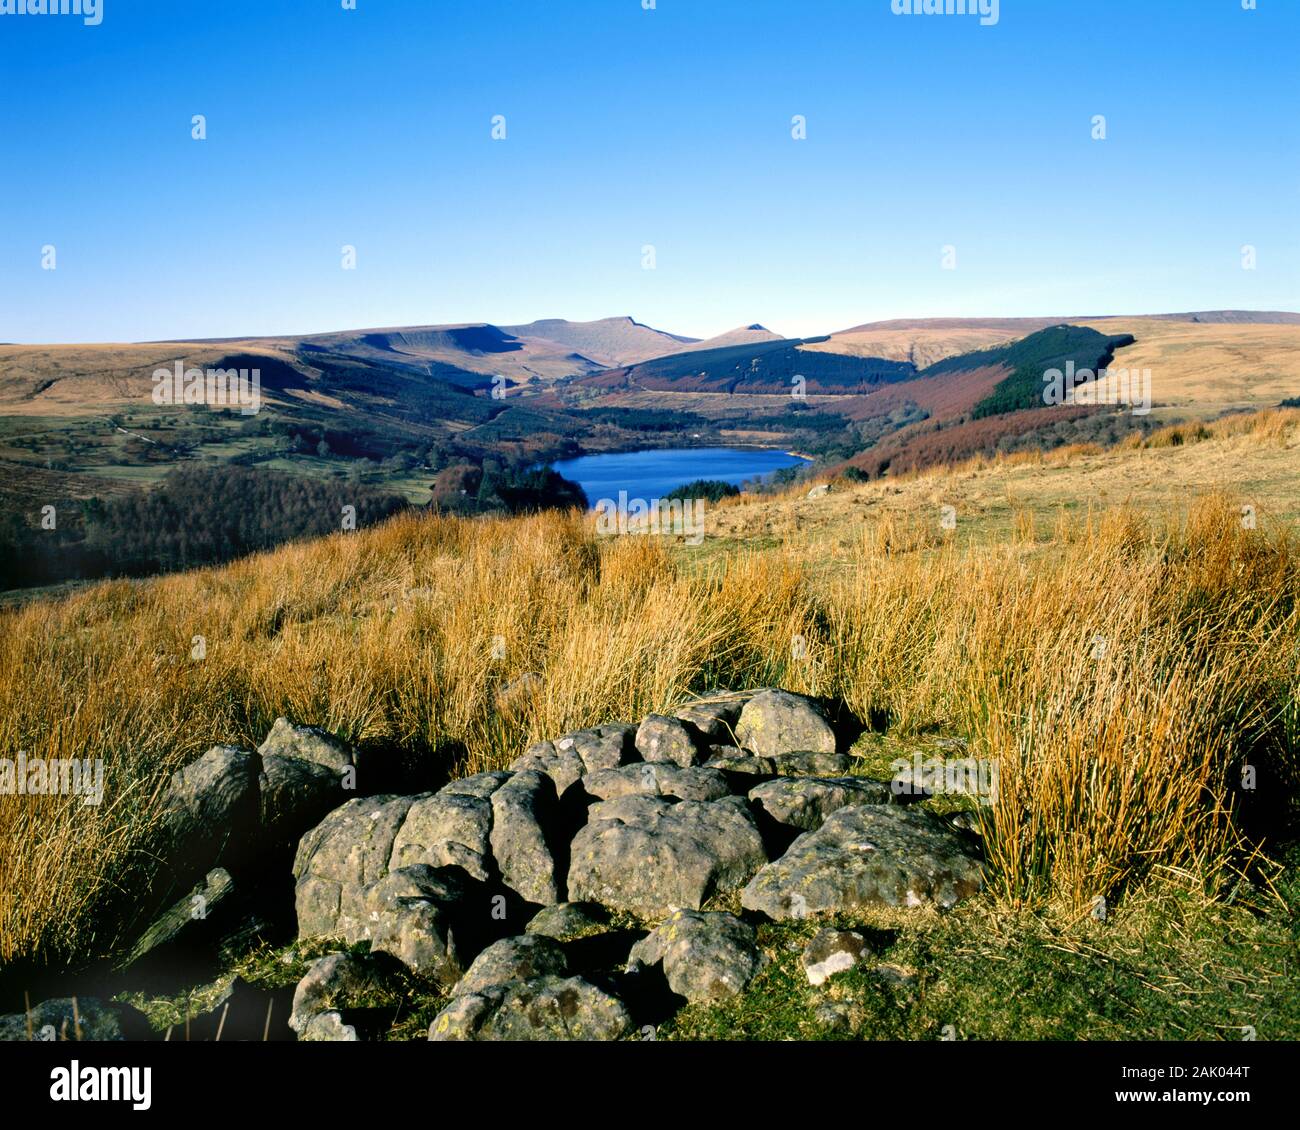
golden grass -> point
(926, 343)
(1210, 365)
(90, 380)
(1110, 765)
(1255, 457)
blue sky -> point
(627, 128)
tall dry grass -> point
(1109, 767)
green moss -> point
(1173, 967)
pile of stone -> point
(735, 791)
(563, 898)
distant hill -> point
(1024, 362)
(607, 343)
(976, 401)
(472, 353)
(742, 335)
(1233, 317)
(923, 341)
(1244, 360)
(478, 348)
(768, 367)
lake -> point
(653, 474)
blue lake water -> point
(653, 474)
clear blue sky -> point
(629, 127)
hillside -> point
(992, 400)
(924, 341)
(980, 639)
(1203, 366)
(768, 367)
(1022, 498)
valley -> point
(460, 417)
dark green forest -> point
(1031, 357)
(713, 490)
(195, 516)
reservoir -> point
(653, 474)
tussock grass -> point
(1114, 762)
(1269, 426)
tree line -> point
(195, 516)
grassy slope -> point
(1207, 367)
(1203, 367)
(1022, 498)
(924, 345)
(984, 634)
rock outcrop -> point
(650, 855)
(775, 722)
(466, 890)
(806, 802)
(867, 855)
(704, 956)
(542, 1008)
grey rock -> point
(966, 821)
(336, 983)
(210, 812)
(651, 855)
(837, 1017)
(419, 881)
(714, 715)
(513, 959)
(492, 826)
(705, 956)
(603, 747)
(663, 739)
(564, 766)
(296, 795)
(569, 920)
(800, 763)
(308, 743)
(411, 915)
(831, 952)
(525, 811)
(449, 828)
(805, 802)
(664, 779)
(809, 763)
(776, 721)
(896, 977)
(328, 1027)
(545, 1008)
(339, 859)
(57, 1020)
(739, 762)
(453, 827)
(481, 785)
(571, 757)
(867, 855)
